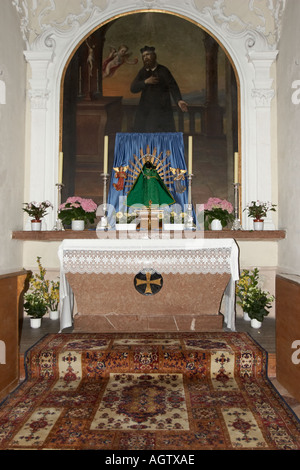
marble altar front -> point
(195, 276)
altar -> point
(157, 285)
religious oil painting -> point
(104, 96)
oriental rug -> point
(185, 391)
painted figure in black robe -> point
(157, 85)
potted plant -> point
(77, 211)
(217, 213)
(43, 289)
(36, 307)
(257, 305)
(52, 297)
(254, 301)
(37, 210)
(257, 210)
(247, 279)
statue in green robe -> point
(149, 189)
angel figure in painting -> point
(120, 174)
(179, 179)
(115, 59)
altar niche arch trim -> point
(250, 56)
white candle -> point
(60, 167)
(236, 168)
(105, 156)
(190, 154)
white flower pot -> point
(53, 314)
(36, 225)
(216, 225)
(77, 224)
(258, 224)
(246, 316)
(35, 322)
(255, 323)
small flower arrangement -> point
(125, 217)
(220, 209)
(37, 210)
(254, 301)
(174, 217)
(259, 209)
(77, 208)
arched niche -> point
(250, 55)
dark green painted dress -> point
(149, 187)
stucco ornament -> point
(40, 19)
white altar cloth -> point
(182, 256)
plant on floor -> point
(253, 299)
(35, 304)
(41, 291)
(258, 303)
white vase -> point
(255, 323)
(35, 322)
(216, 224)
(77, 224)
(36, 225)
(53, 314)
(258, 224)
(246, 316)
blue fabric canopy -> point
(167, 152)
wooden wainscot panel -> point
(11, 288)
(288, 334)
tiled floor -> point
(265, 337)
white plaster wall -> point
(12, 135)
(288, 71)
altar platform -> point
(184, 283)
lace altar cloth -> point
(192, 257)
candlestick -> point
(189, 224)
(58, 224)
(103, 224)
(60, 167)
(236, 168)
(190, 154)
(236, 223)
(105, 155)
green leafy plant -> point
(35, 305)
(258, 303)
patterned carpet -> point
(188, 391)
